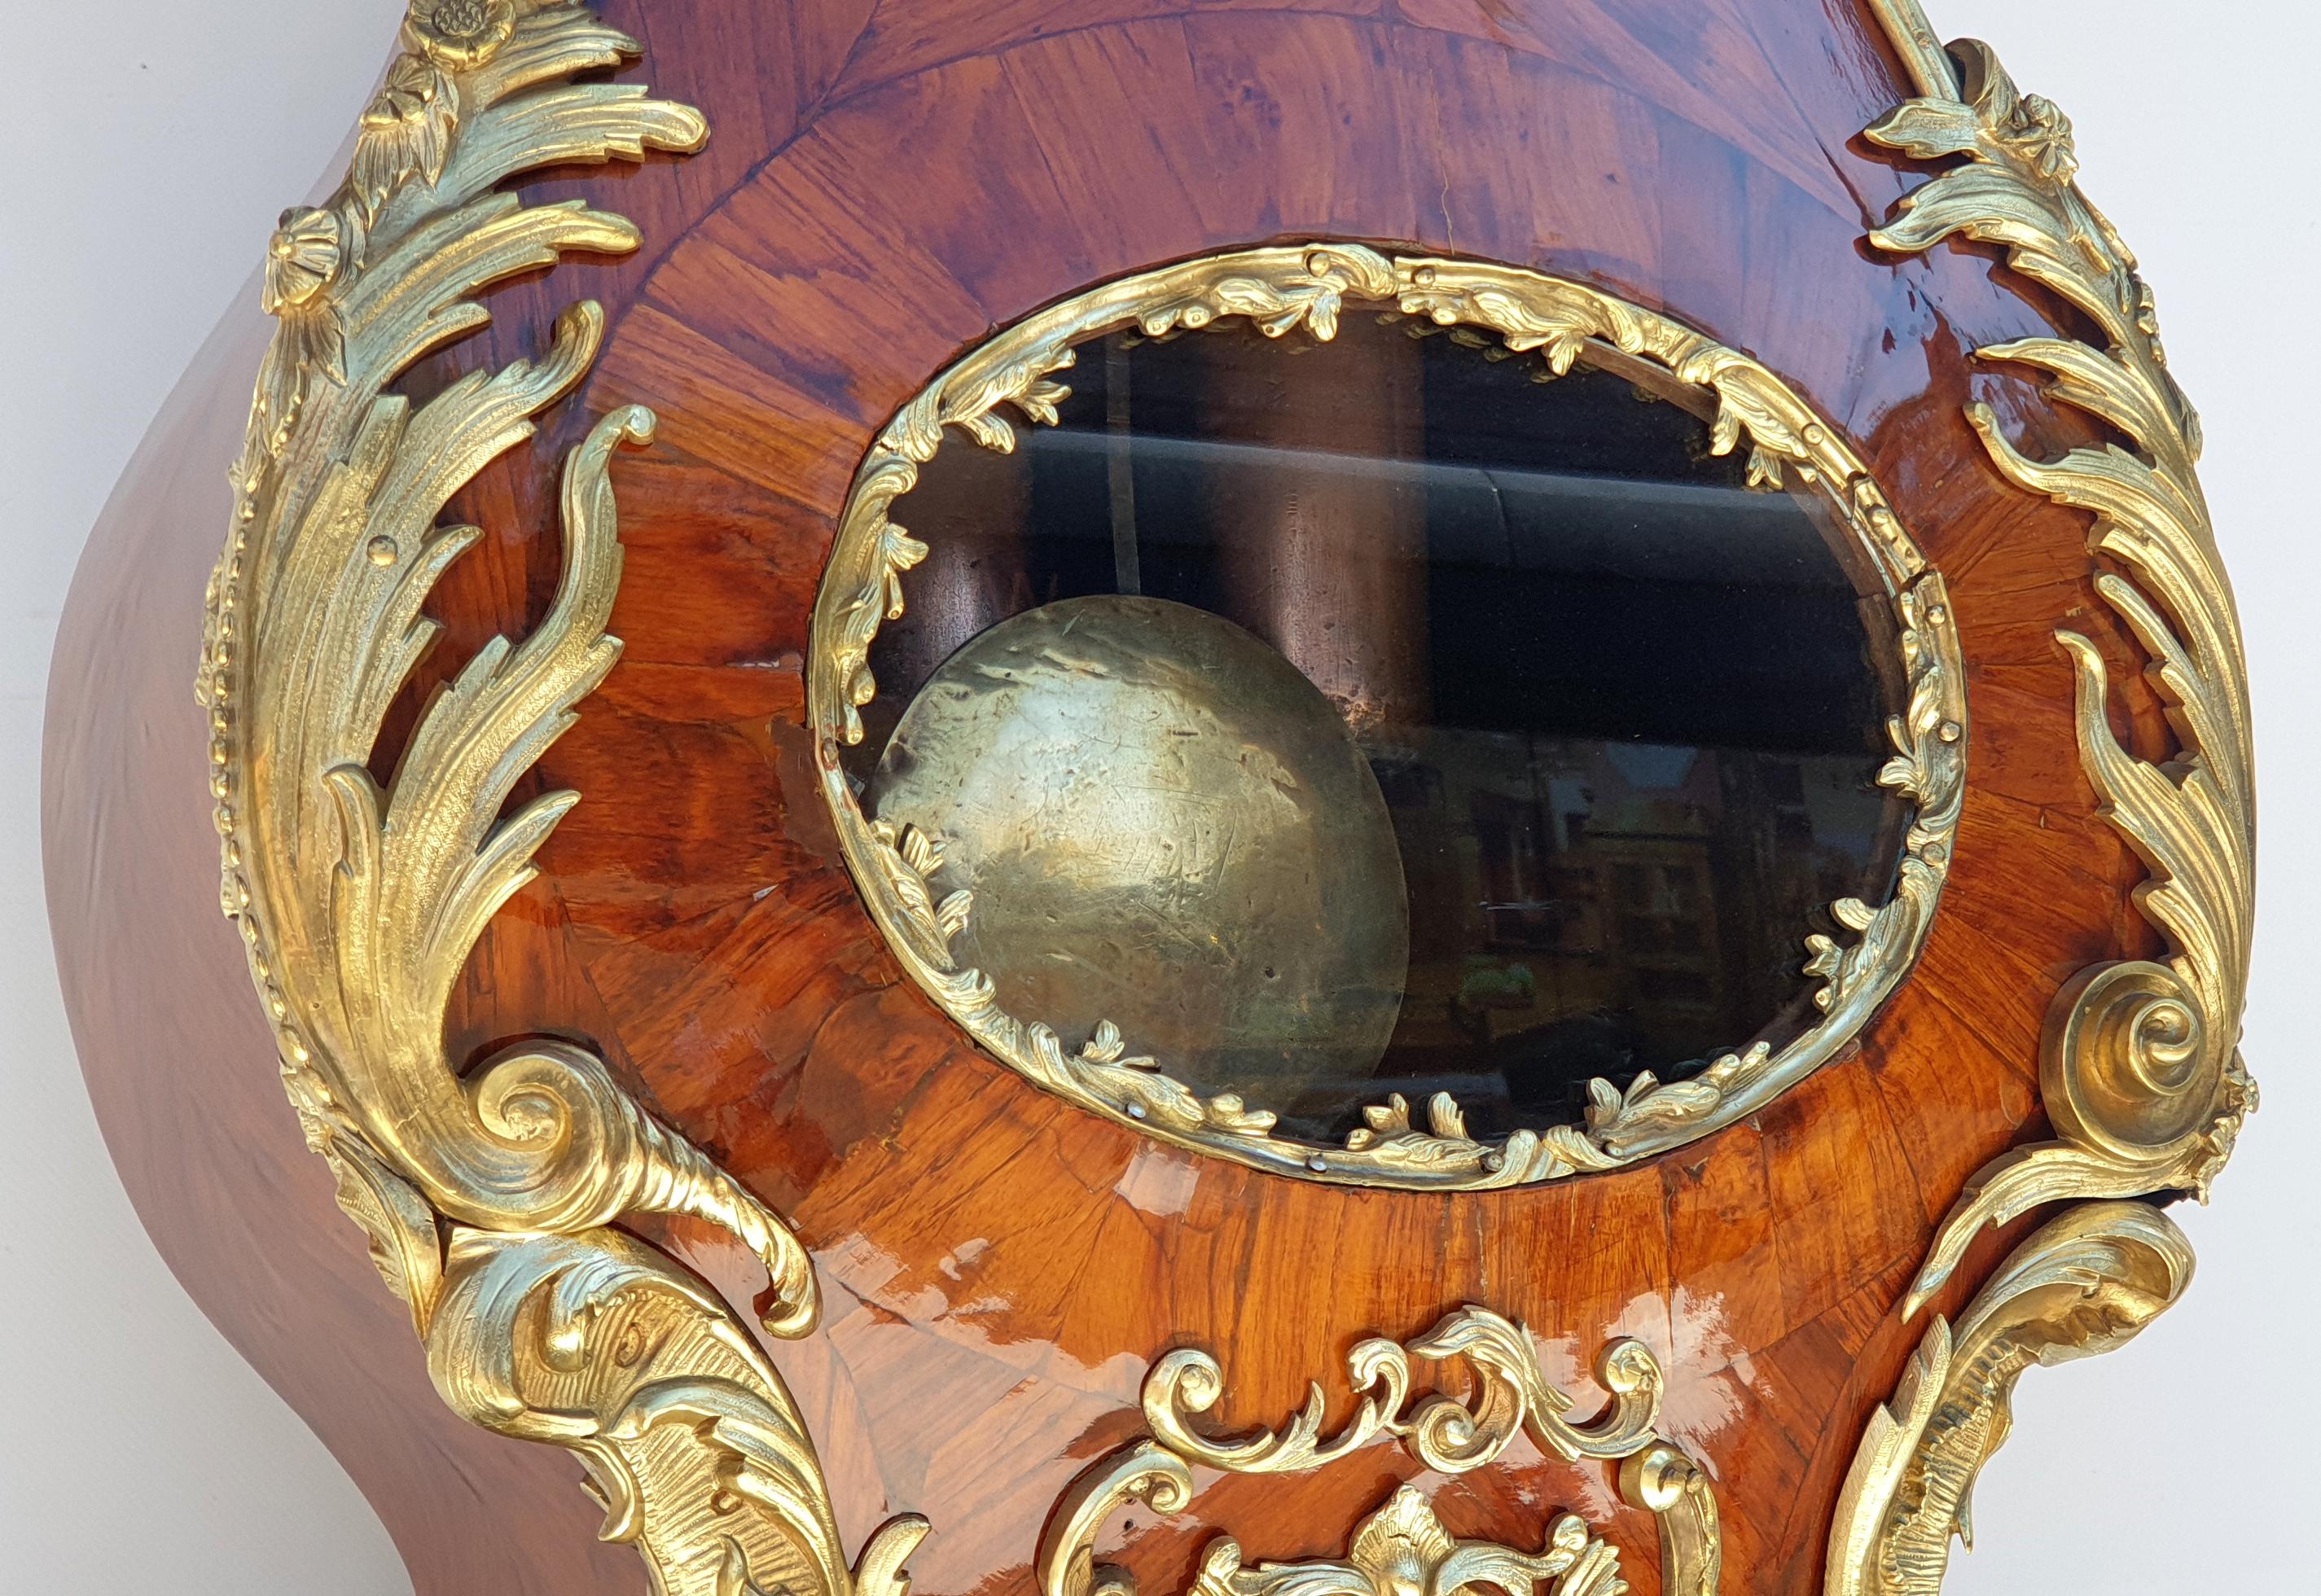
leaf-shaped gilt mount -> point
(2139, 1068)
(490, 1198)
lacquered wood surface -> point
(885, 184)
(178, 1058)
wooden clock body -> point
(885, 183)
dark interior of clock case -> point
(1625, 709)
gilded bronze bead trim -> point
(1302, 291)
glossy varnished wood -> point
(887, 183)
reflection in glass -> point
(1621, 708)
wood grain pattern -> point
(887, 181)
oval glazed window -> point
(1415, 723)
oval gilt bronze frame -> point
(1303, 289)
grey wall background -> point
(156, 141)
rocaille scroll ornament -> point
(491, 1201)
(1402, 1549)
(2140, 1069)
(488, 1198)
(1302, 291)
(2085, 1284)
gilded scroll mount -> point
(2140, 1069)
(489, 1199)
(2085, 1284)
(1402, 1549)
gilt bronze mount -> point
(1402, 1546)
(1303, 291)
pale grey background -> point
(155, 141)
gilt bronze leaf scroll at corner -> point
(489, 1200)
(2140, 1068)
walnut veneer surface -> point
(887, 181)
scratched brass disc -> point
(1164, 825)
